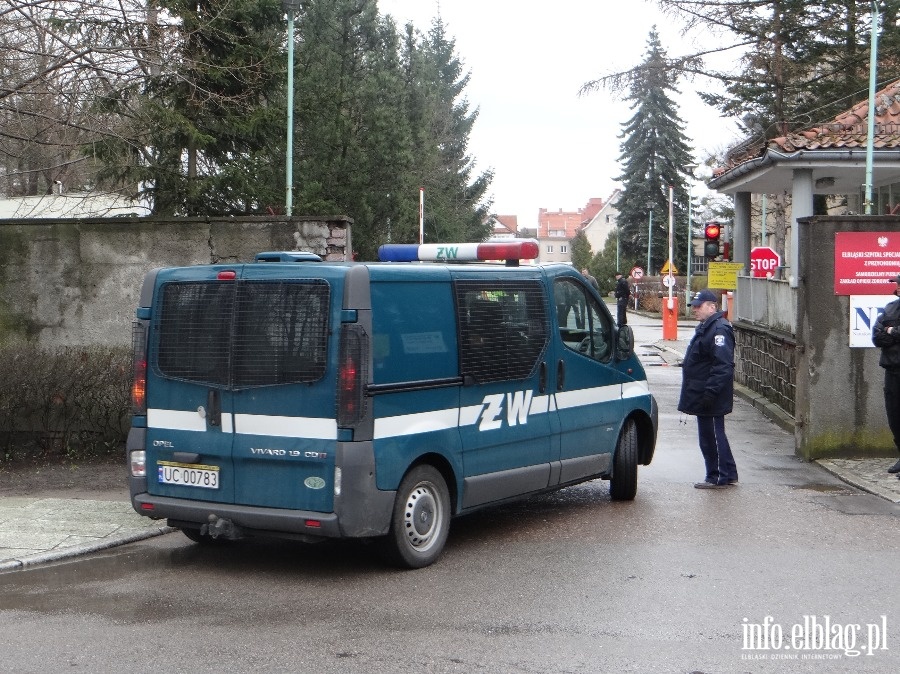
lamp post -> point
(690, 238)
(290, 6)
(649, 235)
(870, 136)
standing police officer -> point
(886, 334)
(707, 389)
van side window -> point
(502, 328)
(243, 334)
(583, 325)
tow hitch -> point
(219, 527)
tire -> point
(623, 483)
(420, 521)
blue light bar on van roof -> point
(518, 249)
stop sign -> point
(763, 262)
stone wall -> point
(76, 282)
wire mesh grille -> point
(195, 330)
(502, 328)
(244, 334)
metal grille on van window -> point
(281, 332)
(244, 334)
(194, 331)
(502, 328)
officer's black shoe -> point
(895, 468)
(709, 485)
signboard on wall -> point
(864, 310)
(864, 262)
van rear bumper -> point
(253, 519)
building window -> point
(549, 249)
(563, 249)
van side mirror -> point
(624, 342)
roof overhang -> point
(834, 171)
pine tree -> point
(654, 154)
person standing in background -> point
(622, 295)
(886, 336)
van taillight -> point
(351, 375)
(139, 365)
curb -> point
(859, 483)
(17, 564)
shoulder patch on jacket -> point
(720, 340)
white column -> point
(801, 207)
(740, 233)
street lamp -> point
(291, 7)
(690, 239)
(649, 235)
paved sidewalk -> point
(42, 530)
(868, 474)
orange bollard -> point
(670, 318)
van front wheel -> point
(623, 484)
(420, 520)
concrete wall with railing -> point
(76, 282)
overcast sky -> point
(548, 147)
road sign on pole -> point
(763, 262)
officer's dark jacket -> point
(890, 344)
(707, 385)
(622, 290)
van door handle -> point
(542, 377)
(213, 408)
(560, 375)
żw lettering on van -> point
(517, 405)
(447, 253)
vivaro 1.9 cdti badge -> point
(299, 398)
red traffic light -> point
(712, 230)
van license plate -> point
(188, 474)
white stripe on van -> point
(316, 428)
(635, 389)
(246, 424)
(421, 422)
(181, 420)
(588, 396)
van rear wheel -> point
(420, 521)
(623, 484)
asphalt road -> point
(680, 580)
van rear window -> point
(244, 334)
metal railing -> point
(766, 302)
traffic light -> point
(712, 232)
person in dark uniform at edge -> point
(622, 294)
(886, 336)
(707, 389)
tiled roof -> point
(511, 222)
(568, 222)
(847, 130)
